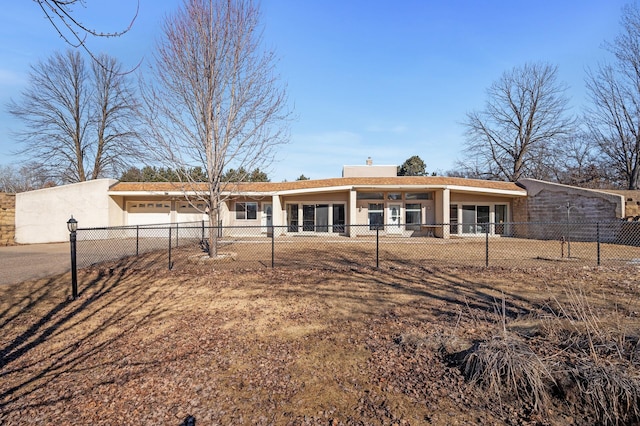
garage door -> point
(147, 212)
(191, 212)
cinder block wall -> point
(7, 219)
(546, 202)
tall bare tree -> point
(524, 116)
(614, 116)
(70, 28)
(215, 100)
(115, 118)
(77, 121)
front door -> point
(394, 226)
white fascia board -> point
(152, 193)
(457, 188)
(248, 194)
(493, 191)
(185, 193)
(314, 190)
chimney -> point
(369, 161)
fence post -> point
(486, 246)
(137, 240)
(377, 246)
(273, 248)
(170, 265)
(598, 240)
(202, 230)
(177, 241)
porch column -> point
(352, 213)
(442, 212)
(276, 211)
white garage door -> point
(147, 212)
(191, 212)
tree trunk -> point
(214, 215)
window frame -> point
(378, 210)
(410, 209)
(243, 212)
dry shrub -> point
(603, 370)
(610, 391)
(507, 368)
(586, 331)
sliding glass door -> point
(316, 217)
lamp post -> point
(72, 226)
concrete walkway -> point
(33, 261)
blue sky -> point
(378, 79)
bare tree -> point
(114, 118)
(216, 101)
(77, 124)
(576, 162)
(523, 118)
(28, 177)
(73, 31)
(614, 116)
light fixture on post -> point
(72, 226)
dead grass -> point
(283, 346)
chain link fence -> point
(184, 246)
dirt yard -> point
(356, 346)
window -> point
(453, 218)
(418, 196)
(308, 217)
(413, 216)
(370, 196)
(468, 219)
(322, 218)
(136, 207)
(501, 218)
(246, 211)
(292, 218)
(394, 196)
(376, 216)
(185, 207)
(338, 218)
(475, 219)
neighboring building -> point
(365, 196)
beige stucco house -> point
(352, 205)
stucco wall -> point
(42, 215)
(7, 218)
(370, 171)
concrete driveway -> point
(28, 262)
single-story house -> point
(365, 196)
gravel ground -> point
(33, 261)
